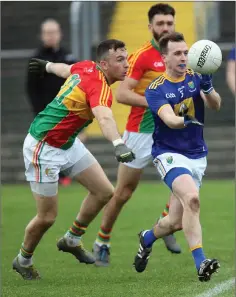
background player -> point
(52, 146)
(179, 150)
(145, 65)
(230, 71)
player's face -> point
(161, 24)
(51, 34)
(116, 65)
(176, 58)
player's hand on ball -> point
(206, 83)
(188, 120)
(123, 153)
(37, 66)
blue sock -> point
(198, 256)
(149, 238)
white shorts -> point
(44, 162)
(167, 161)
(141, 145)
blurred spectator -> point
(230, 71)
(43, 91)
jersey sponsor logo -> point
(191, 86)
(203, 56)
(89, 70)
(158, 64)
(170, 95)
(185, 107)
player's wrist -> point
(117, 142)
(48, 67)
(208, 90)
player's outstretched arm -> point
(39, 67)
(211, 98)
(109, 129)
(59, 69)
(125, 94)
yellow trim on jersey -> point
(175, 80)
(102, 91)
(159, 81)
(106, 96)
(136, 56)
(163, 106)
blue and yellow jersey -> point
(183, 95)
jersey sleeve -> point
(156, 99)
(136, 66)
(74, 68)
(231, 55)
(100, 94)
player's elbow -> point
(104, 120)
(120, 96)
(217, 106)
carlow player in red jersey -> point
(146, 64)
(52, 146)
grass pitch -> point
(167, 275)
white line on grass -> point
(218, 289)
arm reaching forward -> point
(109, 129)
(39, 67)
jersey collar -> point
(100, 69)
(175, 80)
(154, 44)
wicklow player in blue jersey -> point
(177, 99)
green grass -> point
(167, 275)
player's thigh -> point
(141, 145)
(42, 161)
(92, 177)
(46, 198)
(185, 189)
(170, 165)
(198, 168)
(127, 177)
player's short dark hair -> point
(160, 8)
(104, 47)
(169, 37)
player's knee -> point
(104, 195)
(122, 195)
(193, 202)
(175, 224)
(47, 220)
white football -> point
(204, 57)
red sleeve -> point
(136, 66)
(100, 94)
(74, 68)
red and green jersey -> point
(70, 111)
(146, 64)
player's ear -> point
(163, 57)
(104, 64)
(150, 27)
